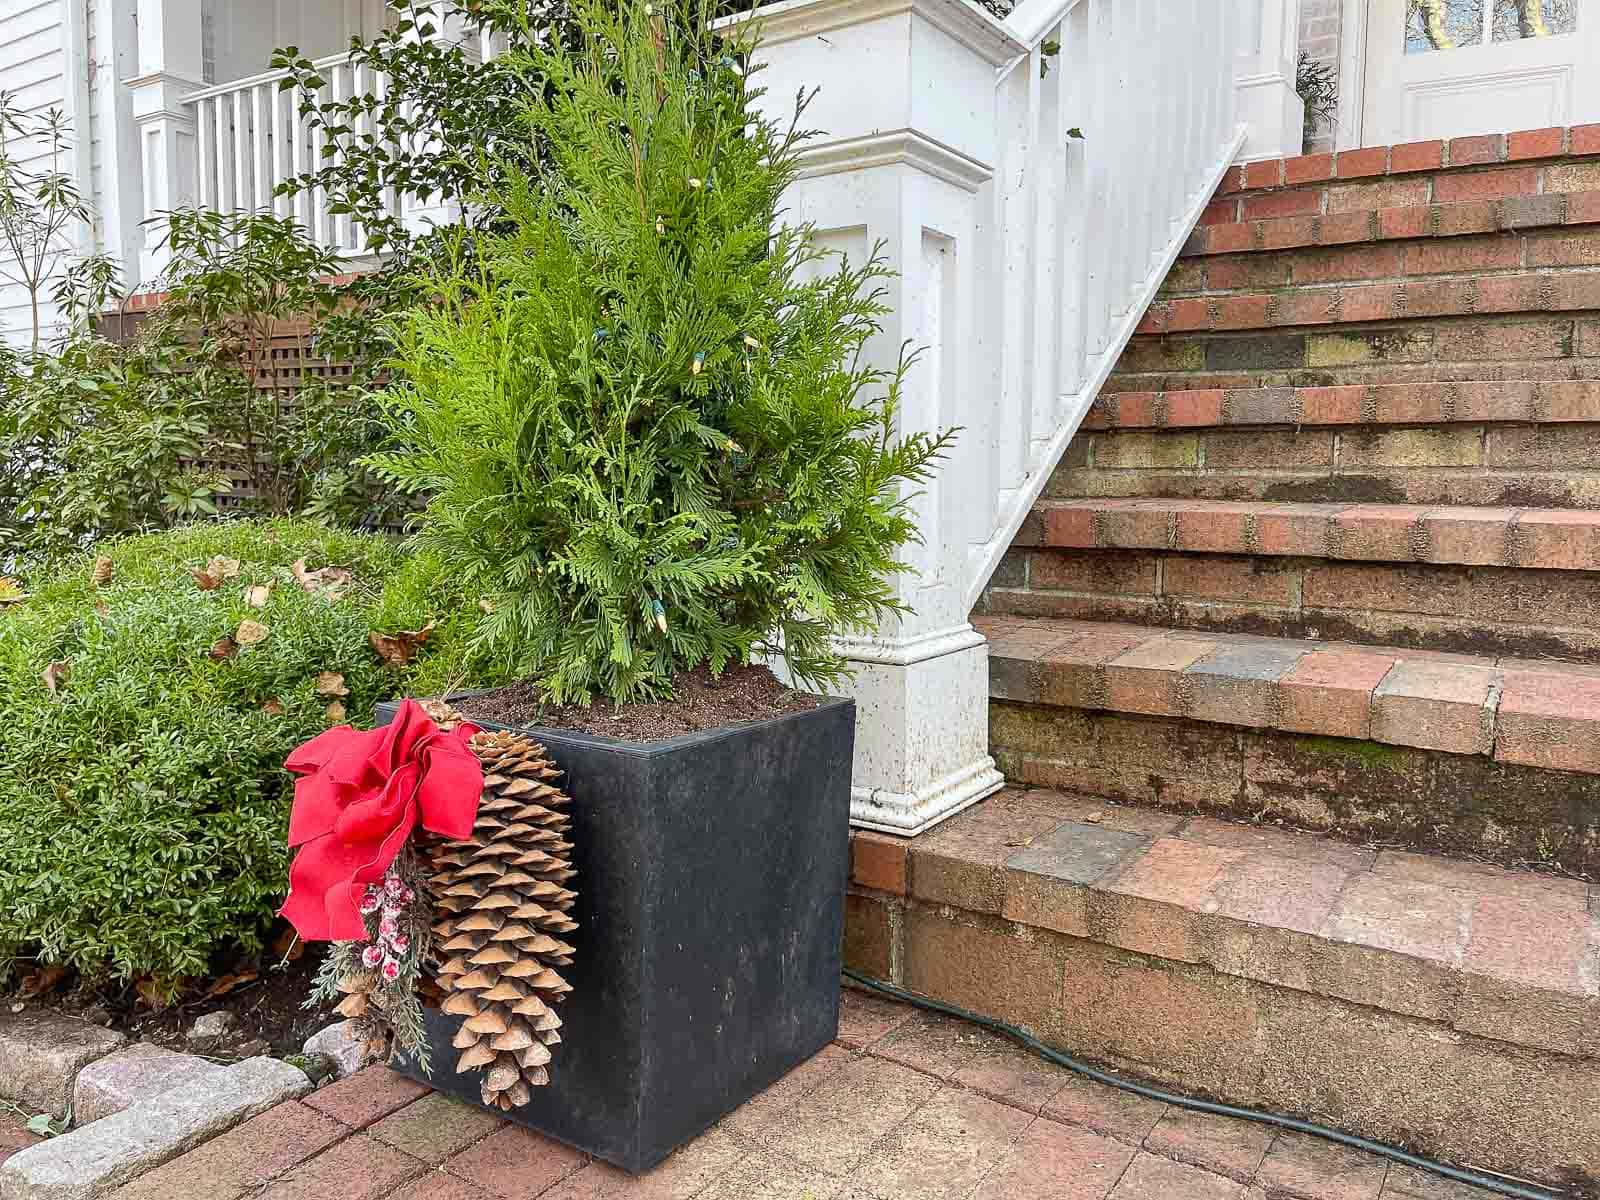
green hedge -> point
(143, 807)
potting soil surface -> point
(700, 701)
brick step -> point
(1424, 266)
(1495, 611)
(1515, 711)
(1539, 539)
(1443, 1005)
(1366, 213)
(1462, 155)
(1476, 294)
(1471, 401)
(1530, 346)
(1552, 466)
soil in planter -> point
(701, 701)
(268, 1010)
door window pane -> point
(1518, 19)
(1444, 24)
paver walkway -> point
(904, 1106)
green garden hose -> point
(1394, 1153)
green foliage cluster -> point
(143, 803)
(639, 414)
(189, 416)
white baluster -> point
(339, 231)
(224, 146)
(243, 136)
(1046, 247)
(280, 151)
(319, 225)
(299, 142)
(261, 146)
(1073, 83)
(205, 147)
(1099, 148)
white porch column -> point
(1268, 102)
(171, 65)
(907, 102)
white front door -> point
(1450, 68)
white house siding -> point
(33, 69)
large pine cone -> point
(501, 901)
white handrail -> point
(1031, 21)
(275, 75)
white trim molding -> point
(897, 146)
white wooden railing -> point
(1115, 123)
(250, 138)
(1024, 257)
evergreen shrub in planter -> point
(650, 449)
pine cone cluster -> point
(501, 903)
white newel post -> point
(1268, 102)
(907, 103)
(171, 65)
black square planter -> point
(711, 878)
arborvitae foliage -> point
(640, 416)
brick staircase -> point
(1302, 641)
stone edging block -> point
(91, 1161)
(127, 1077)
(41, 1054)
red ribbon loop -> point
(360, 796)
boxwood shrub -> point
(143, 804)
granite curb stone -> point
(89, 1162)
(125, 1077)
(41, 1054)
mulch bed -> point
(700, 701)
(266, 1000)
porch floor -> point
(904, 1106)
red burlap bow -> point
(360, 797)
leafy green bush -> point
(143, 804)
(640, 415)
(102, 438)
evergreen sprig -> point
(641, 415)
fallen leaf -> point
(273, 708)
(41, 982)
(103, 570)
(218, 571)
(398, 649)
(486, 604)
(43, 1125)
(18, 1007)
(1095, 817)
(55, 676)
(331, 683)
(336, 712)
(154, 994)
(11, 591)
(229, 982)
(257, 596)
(224, 649)
(250, 633)
(330, 582)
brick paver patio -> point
(904, 1106)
